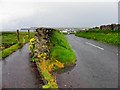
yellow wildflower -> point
(32, 41)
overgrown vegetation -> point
(10, 42)
(45, 66)
(60, 55)
(105, 36)
(60, 49)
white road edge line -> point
(95, 45)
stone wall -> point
(42, 41)
(42, 45)
(42, 58)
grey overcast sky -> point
(15, 14)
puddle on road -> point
(65, 77)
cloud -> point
(53, 14)
(12, 11)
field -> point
(105, 36)
(60, 49)
(10, 43)
(10, 38)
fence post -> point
(28, 34)
(18, 38)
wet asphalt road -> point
(96, 65)
(17, 71)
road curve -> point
(96, 65)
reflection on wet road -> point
(17, 71)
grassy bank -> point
(61, 54)
(10, 43)
(105, 36)
(60, 49)
(6, 52)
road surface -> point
(96, 65)
(17, 71)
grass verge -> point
(105, 36)
(10, 38)
(60, 49)
(8, 51)
(7, 37)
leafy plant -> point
(33, 59)
(32, 45)
(47, 75)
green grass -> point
(105, 36)
(8, 51)
(60, 49)
(10, 38)
(10, 43)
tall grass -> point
(60, 49)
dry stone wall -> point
(42, 41)
(42, 58)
